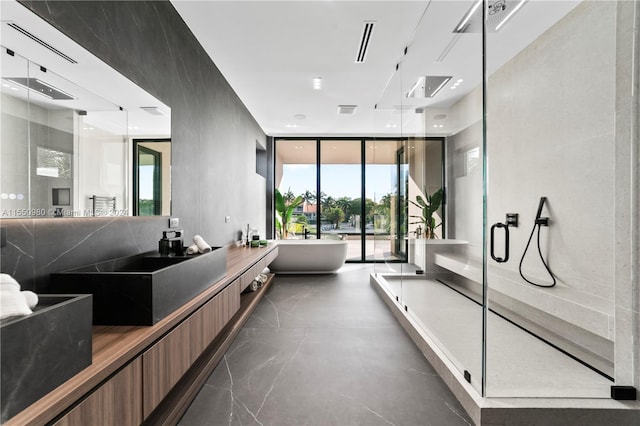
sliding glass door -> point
(341, 193)
(381, 177)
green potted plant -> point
(285, 211)
(429, 207)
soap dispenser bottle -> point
(164, 245)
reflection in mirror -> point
(152, 177)
(68, 126)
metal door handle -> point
(506, 242)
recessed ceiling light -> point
(290, 125)
(459, 80)
(468, 16)
(428, 86)
(40, 87)
(498, 12)
(419, 84)
(317, 83)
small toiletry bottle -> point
(164, 245)
(177, 244)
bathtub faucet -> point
(306, 233)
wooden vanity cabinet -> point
(256, 269)
(135, 370)
(118, 402)
(164, 363)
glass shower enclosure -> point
(512, 234)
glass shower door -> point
(559, 133)
(529, 288)
(438, 186)
(444, 293)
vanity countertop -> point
(115, 346)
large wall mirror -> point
(76, 135)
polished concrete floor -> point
(324, 350)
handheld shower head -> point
(541, 220)
(539, 223)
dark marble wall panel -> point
(17, 258)
(37, 247)
(213, 140)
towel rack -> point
(102, 206)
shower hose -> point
(541, 258)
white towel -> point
(193, 249)
(12, 304)
(7, 281)
(203, 247)
(30, 297)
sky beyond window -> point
(338, 180)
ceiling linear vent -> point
(363, 48)
(42, 42)
(153, 110)
(448, 48)
(428, 86)
(347, 109)
(498, 13)
(402, 109)
(41, 88)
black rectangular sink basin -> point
(139, 263)
(42, 350)
(141, 289)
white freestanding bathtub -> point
(309, 256)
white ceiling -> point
(269, 51)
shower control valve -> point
(512, 220)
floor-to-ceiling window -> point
(347, 187)
(296, 175)
(381, 180)
(341, 186)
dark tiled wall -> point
(213, 141)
